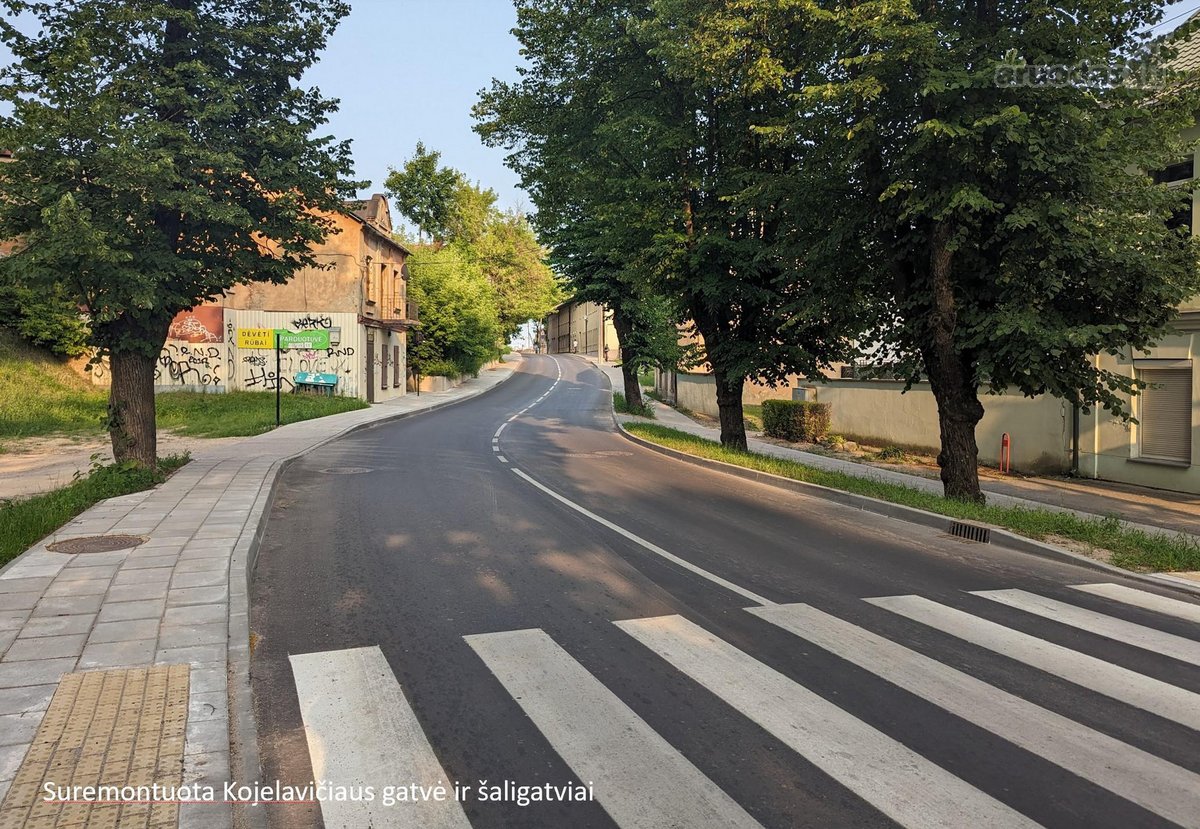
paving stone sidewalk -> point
(178, 599)
(1146, 509)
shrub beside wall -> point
(795, 420)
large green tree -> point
(1010, 228)
(424, 192)
(499, 243)
(164, 152)
(460, 329)
(622, 119)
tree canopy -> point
(800, 178)
(484, 242)
(161, 155)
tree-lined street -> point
(514, 592)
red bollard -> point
(1005, 453)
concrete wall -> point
(218, 365)
(1109, 447)
(876, 412)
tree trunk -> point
(131, 423)
(729, 407)
(959, 412)
(951, 380)
(633, 389)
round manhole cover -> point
(346, 470)
(96, 544)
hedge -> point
(795, 420)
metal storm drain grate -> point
(96, 544)
(347, 470)
(971, 532)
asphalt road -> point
(551, 604)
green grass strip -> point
(621, 405)
(25, 522)
(238, 413)
(1129, 548)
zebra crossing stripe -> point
(361, 731)
(1142, 599)
(1152, 783)
(1167, 644)
(894, 779)
(1138, 690)
(639, 779)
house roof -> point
(374, 210)
(375, 217)
(1187, 58)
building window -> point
(1165, 414)
(1179, 175)
(383, 361)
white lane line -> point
(1122, 684)
(1167, 644)
(502, 459)
(891, 777)
(637, 776)
(362, 732)
(1142, 599)
(1136, 775)
(496, 436)
(654, 548)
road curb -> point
(999, 536)
(245, 763)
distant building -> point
(358, 298)
(582, 328)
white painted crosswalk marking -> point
(1143, 599)
(1150, 782)
(362, 732)
(1167, 644)
(1122, 684)
(896, 780)
(639, 779)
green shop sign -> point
(317, 340)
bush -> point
(47, 318)
(439, 368)
(623, 406)
(795, 420)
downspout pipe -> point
(1075, 411)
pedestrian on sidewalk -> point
(575, 346)
(606, 352)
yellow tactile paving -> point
(110, 728)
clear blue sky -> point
(410, 70)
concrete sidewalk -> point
(1147, 509)
(132, 667)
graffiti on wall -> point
(182, 364)
(258, 368)
(308, 323)
(199, 325)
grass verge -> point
(238, 413)
(23, 523)
(752, 414)
(40, 394)
(1132, 549)
(621, 405)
